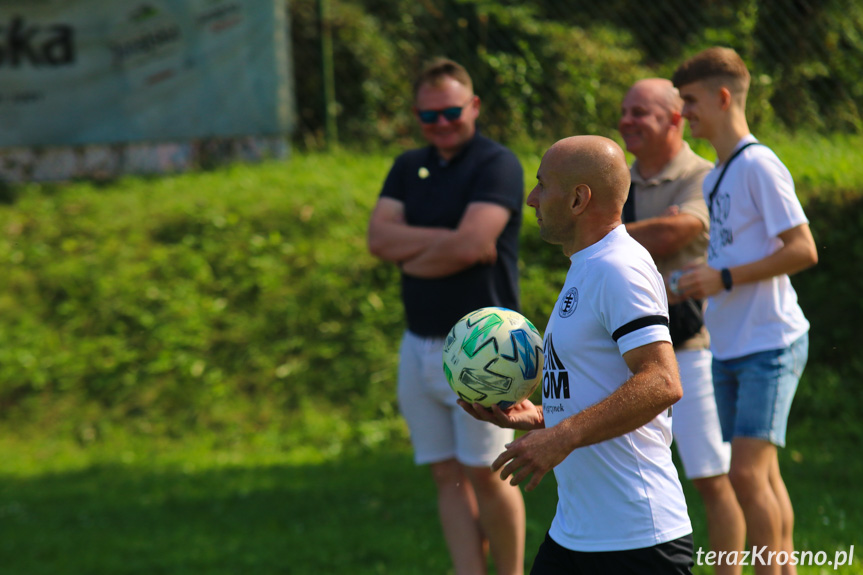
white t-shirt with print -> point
(755, 202)
(623, 493)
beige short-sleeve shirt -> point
(679, 184)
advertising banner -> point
(76, 72)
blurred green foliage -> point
(547, 69)
(245, 299)
(178, 301)
(830, 297)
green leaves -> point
(229, 299)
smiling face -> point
(701, 103)
(649, 118)
(448, 136)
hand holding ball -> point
(493, 356)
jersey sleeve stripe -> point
(637, 324)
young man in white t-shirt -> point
(610, 379)
(665, 212)
(759, 235)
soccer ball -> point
(493, 356)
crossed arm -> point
(653, 388)
(430, 252)
(665, 235)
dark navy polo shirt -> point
(436, 193)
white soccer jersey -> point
(623, 493)
(755, 202)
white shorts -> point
(439, 428)
(695, 420)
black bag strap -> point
(722, 175)
(628, 215)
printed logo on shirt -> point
(568, 303)
(548, 408)
(555, 377)
(720, 234)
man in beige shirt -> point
(666, 213)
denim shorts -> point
(754, 392)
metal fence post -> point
(331, 133)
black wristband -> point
(726, 279)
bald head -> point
(582, 184)
(596, 162)
(659, 91)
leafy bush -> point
(246, 299)
(540, 87)
(531, 80)
(547, 69)
(829, 295)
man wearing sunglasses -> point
(449, 217)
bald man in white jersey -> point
(610, 379)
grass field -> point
(303, 486)
(205, 505)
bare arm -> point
(653, 388)
(665, 235)
(798, 252)
(473, 242)
(390, 238)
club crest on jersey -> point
(568, 303)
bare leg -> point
(726, 526)
(459, 517)
(787, 512)
(751, 463)
(502, 516)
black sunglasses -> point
(452, 113)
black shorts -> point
(674, 557)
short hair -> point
(434, 71)
(714, 64)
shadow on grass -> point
(364, 514)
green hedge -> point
(245, 296)
(830, 297)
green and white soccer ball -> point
(493, 356)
